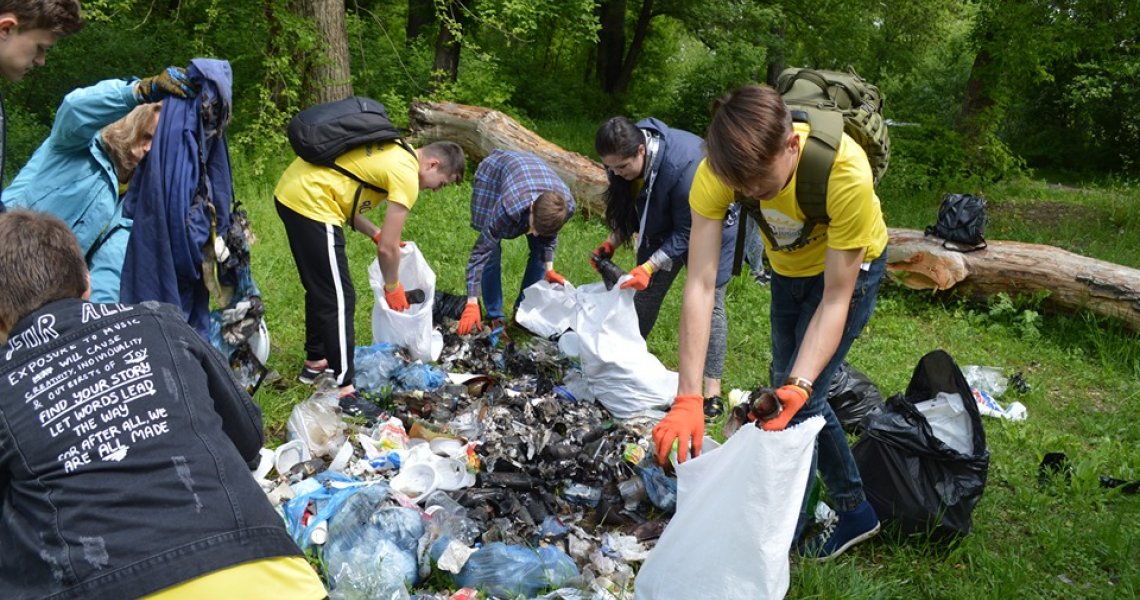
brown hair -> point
(450, 156)
(748, 131)
(120, 137)
(40, 262)
(550, 210)
(58, 16)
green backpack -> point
(832, 103)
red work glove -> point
(553, 277)
(684, 423)
(792, 398)
(397, 301)
(470, 319)
(606, 250)
(640, 276)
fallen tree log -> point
(1072, 281)
(481, 131)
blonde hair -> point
(120, 137)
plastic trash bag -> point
(623, 375)
(852, 397)
(917, 482)
(547, 309)
(510, 571)
(737, 508)
(411, 329)
(372, 549)
(317, 423)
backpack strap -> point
(364, 184)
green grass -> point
(1075, 541)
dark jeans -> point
(493, 276)
(794, 301)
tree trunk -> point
(635, 46)
(421, 13)
(1072, 281)
(445, 67)
(330, 76)
(611, 43)
(481, 131)
(977, 100)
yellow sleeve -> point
(709, 196)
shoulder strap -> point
(364, 184)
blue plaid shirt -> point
(506, 184)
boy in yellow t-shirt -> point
(823, 290)
(315, 203)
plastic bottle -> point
(510, 571)
(609, 271)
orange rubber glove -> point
(640, 276)
(792, 398)
(553, 277)
(397, 301)
(606, 250)
(684, 423)
(470, 319)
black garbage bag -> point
(916, 481)
(852, 396)
(447, 306)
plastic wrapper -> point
(371, 549)
(511, 570)
(317, 423)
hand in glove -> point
(470, 319)
(639, 277)
(606, 250)
(791, 398)
(397, 301)
(684, 423)
(553, 277)
(171, 82)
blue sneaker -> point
(850, 528)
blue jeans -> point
(493, 276)
(794, 300)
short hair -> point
(550, 210)
(619, 137)
(450, 156)
(40, 262)
(58, 16)
(120, 137)
(747, 132)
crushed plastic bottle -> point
(510, 571)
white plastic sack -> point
(737, 508)
(624, 376)
(411, 329)
(547, 309)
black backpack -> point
(961, 222)
(320, 134)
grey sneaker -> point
(309, 374)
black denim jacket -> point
(124, 444)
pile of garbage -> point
(494, 471)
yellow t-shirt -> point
(281, 577)
(326, 196)
(852, 206)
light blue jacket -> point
(73, 178)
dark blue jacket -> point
(124, 451)
(669, 219)
(180, 194)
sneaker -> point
(351, 404)
(309, 374)
(714, 407)
(850, 528)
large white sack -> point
(737, 508)
(411, 329)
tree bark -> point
(633, 55)
(977, 99)
(611, 43)
(1072, 281)
(421, 13)
(445, 67)
(330, 76)
(481, 131)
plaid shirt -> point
(506, 184)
